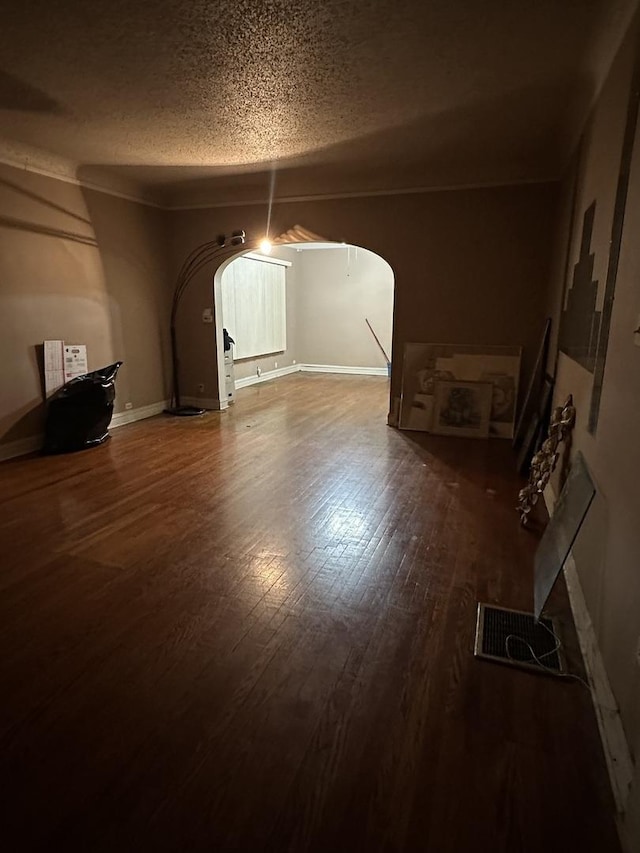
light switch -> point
(207, 315)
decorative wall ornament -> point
(537, 427)
(298, 234)
(544, 462)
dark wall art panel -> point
(581, 321)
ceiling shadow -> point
(525, 134)
(18, 96)
(33, 228)
(42, 200)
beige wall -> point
(337, 289)
(607, 551)
(84, 267)
(470, 266)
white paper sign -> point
(75, 361)
(62, 362)
(53, 366)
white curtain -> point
(254, 307)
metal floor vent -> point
(510, 636)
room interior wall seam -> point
(612, 735)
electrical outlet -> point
(275, 363)
(294, 361)
(201, 387)
(128, 405)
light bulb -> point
(265, 246)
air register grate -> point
(514, 637)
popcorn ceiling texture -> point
(339, 94)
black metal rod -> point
(175, 367)
(195, 261)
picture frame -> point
(462, 408)
(424, 364)
(536, 428)
(534, 388)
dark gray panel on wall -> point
(584, 331)
(616, 240)
(580, 323)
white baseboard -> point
(339, 368)
(29, 445)
(139, 414)
(266, 375)
(21, 447)
(614, 742)
(309, 368)
(34, 442)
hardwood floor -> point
(254, 632)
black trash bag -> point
(79, 413)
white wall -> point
(336, 290)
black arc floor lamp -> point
(199, 258)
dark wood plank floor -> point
(254, 632)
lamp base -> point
(185, 411)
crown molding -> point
(51, 166)
(37, 162)
(366, 194)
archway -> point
(343, 312)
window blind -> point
(254, 307)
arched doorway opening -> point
(338, 312)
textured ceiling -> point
(199, 99)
